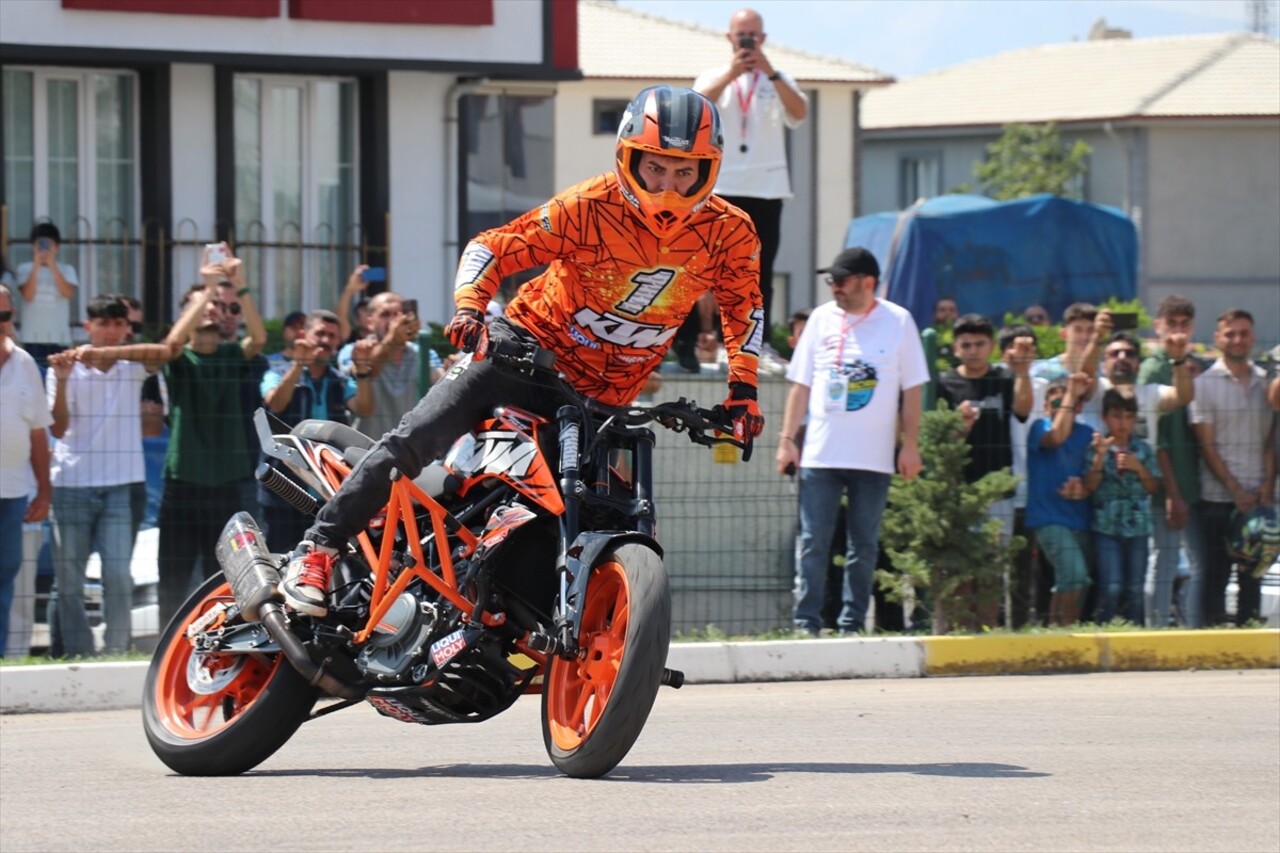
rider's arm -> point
(737, 291)
(538, 237)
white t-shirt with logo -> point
(103, 442)
(854, 367)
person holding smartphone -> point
(47, 288)
(393, 363)
(757, 103)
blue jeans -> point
(1122, 567)
(85, 520)
(820, 491)
(11, 512)
(1163, 570)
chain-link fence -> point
(728, 530)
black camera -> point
(747, 43)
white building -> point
(311, 134)
(315, 134)
(1186, 139)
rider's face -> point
(667, 174)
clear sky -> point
(904, 38)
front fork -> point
(573, 581)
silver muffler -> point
(252, 571)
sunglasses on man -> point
(6, 316)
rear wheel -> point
(218, 715)
(594, 707)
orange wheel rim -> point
(578, 690)
(197, 695)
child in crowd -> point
(1121, 483)
(47, 286)
(1057, 509)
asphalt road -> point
(1145, 761)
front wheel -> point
(594, 707)
(218, 715)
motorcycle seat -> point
(436, 480)
(339, 436)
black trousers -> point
(451, 407)
(1215, 527)
(766, 213)
(191, 519)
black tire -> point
(261, 704)
(590, 744)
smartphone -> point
(214, 254)
(374, 274)
(409, 306)
(747, 43)
(1124, 320)
(44, 244)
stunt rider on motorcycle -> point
(628, 253)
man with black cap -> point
(860, 352)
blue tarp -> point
(993, 257)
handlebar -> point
(679, 416)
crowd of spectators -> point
(78, 421)
(1141, 467)
(1137, 461)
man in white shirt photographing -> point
(757, 102)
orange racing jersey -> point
(614, 295)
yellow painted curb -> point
(1194, 650)
(998, 655)
(1101, 652)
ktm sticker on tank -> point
(446, 648)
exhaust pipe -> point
(254, 575)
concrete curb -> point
(103, 686)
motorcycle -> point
(484, 578)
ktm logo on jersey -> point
(623, 333)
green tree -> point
(1028, 159)
(937, 529)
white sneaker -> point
(305, 586)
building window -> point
(295, 188)
(70, 154)
(920, 176)
(508, 166)
(606, 116)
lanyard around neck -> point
(846, 327)
(744, 103)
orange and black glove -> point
(742, 408)
(467, 331)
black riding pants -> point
(453, 405)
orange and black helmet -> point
(673, 122)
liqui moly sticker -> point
(446, 648)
